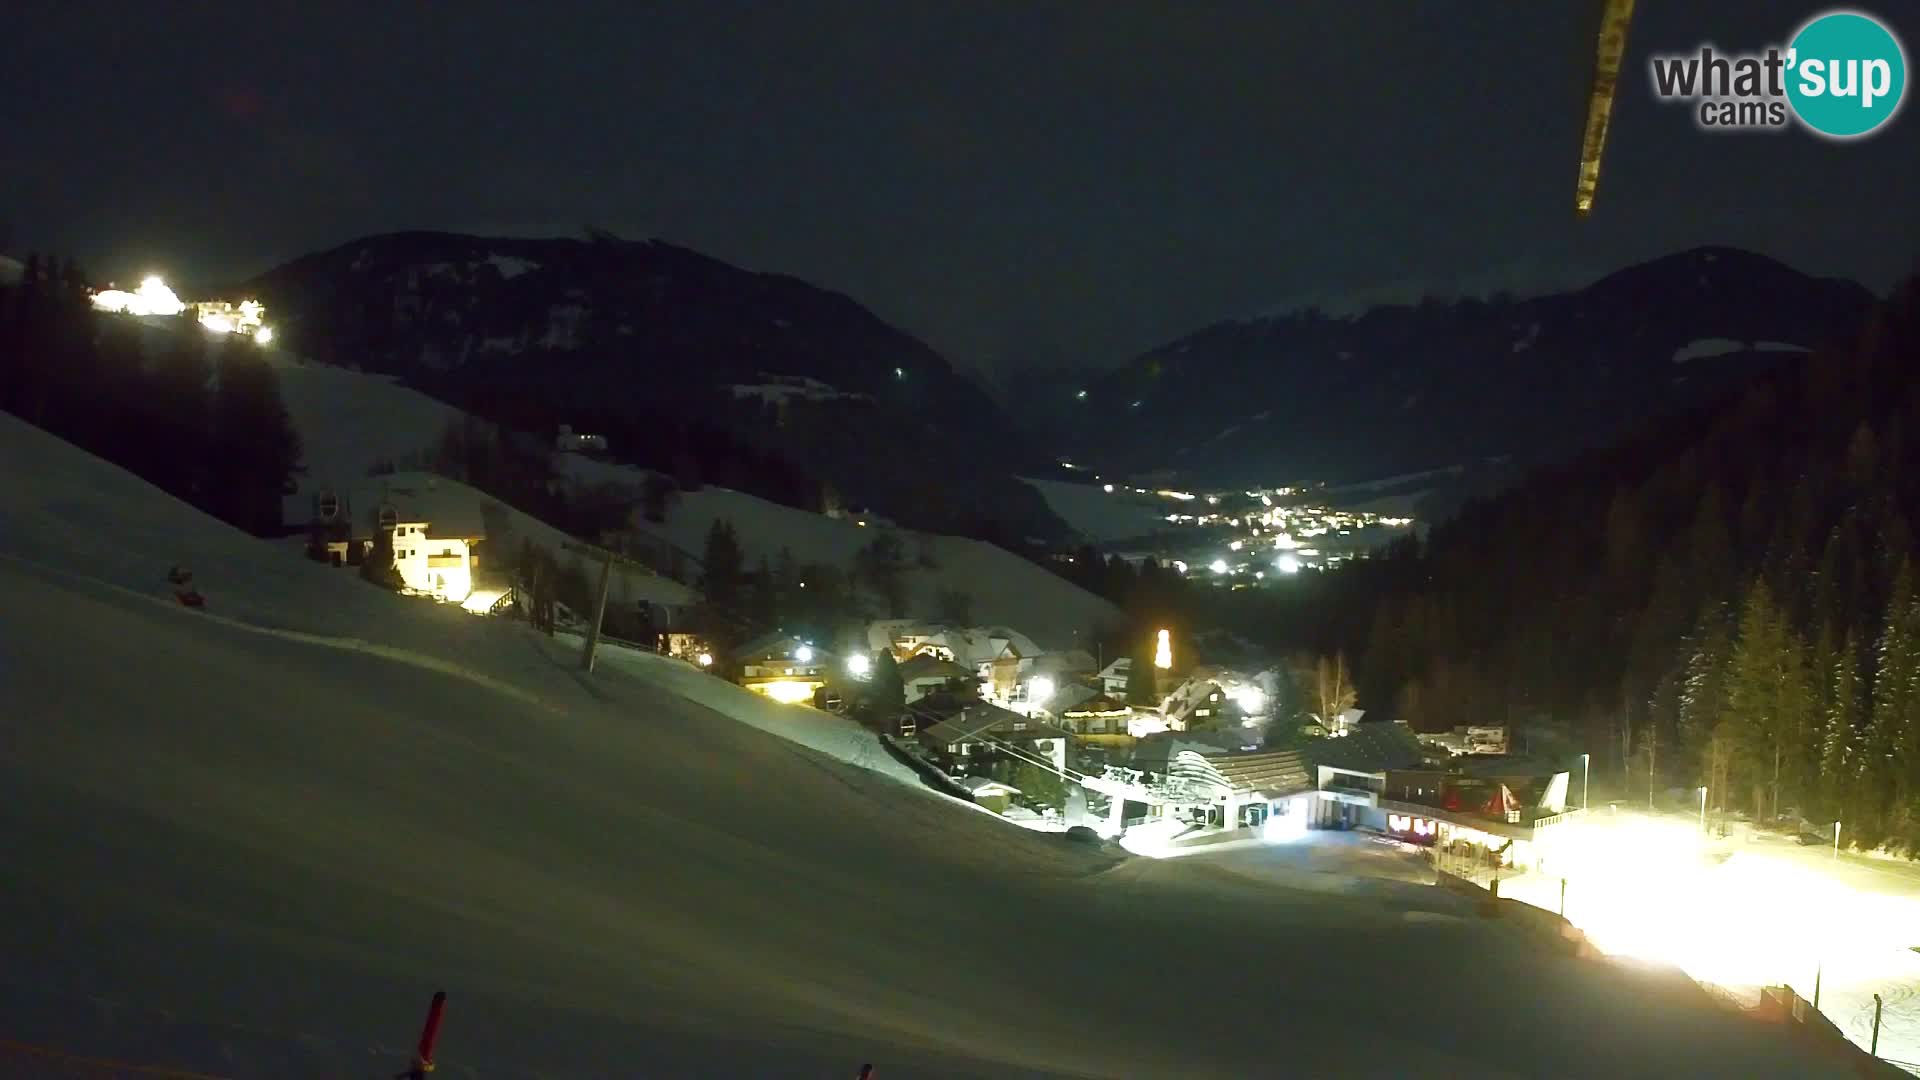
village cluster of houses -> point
(1192, 757)
(1190, 754)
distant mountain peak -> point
(1418, 379)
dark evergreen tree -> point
(1142, 675)
(254, 451)
(722, 563)
(377, 565)
(764, 610)
(885, 692)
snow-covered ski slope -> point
(251, 841)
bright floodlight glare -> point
(858, 665)
(263, 335)
(152, 298)
(1219, 566)
(1287, 564)
(1251, 699)
(1108, 488)
(219, 324)
(705, 659)
(1040, 689)
(804, 654)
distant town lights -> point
(1219, 566)
(1108, 488)
(705, 659)
(859, 666)
(1287, 564)
(804, 654)
(264, 335)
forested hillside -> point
(1728, 599)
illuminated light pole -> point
(1703, 809)
(1836, 841)
(1586, 778)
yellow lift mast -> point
(1606, 75)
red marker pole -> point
(429, 1034)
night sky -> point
(1024, 184)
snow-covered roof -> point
(776, 643)
(1266, 774)
(1191, 695)
(1368, 748)
(1069, 697)
(986, 785)
(983, 721)
(1069, 662)
(932, 667)
(1097, 705)
(448, 509)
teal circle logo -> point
(1847, 74)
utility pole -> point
(607, 558)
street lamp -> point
(1836, 841)
(1703, 809)
(1586, 776)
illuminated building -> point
(224, 317)
(783, 667)
(151, 298)
(433, 533)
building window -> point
(1020, 725)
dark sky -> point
(1022, 183)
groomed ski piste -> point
(252, 840)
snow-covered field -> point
(250, 841)
(349, 420)
(1099, 515)
(1003, 587)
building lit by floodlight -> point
(153, 297)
